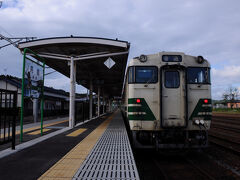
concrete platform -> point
(61, 156)
(32, 131)
(111, 157)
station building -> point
(56, 101)
(233, 104)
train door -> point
(173, 97)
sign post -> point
(32, 84)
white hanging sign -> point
(109, 63)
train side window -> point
(145, 74)
(198, 75)
(131, 75)
(172, 79)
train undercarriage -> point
(171, 138)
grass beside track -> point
(227, 110)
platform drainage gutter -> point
(111, 157)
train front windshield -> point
(198, 75)
(142, 74)
(145, 74)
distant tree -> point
(231, 95)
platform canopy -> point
(90, 54)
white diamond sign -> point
(109, 63)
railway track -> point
(226, 124)
(225, 132)
(177, 165)
(224, 119)
(230, 137)
(235, 148)
(196, 165)
(222, 127)
(182, 168)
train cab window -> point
(145, 74)
(131, 75)
(172, 79)
(198, 75)
(142, 74)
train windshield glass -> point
(146, 74)
(172, 79)
(131, 75)
(142, 74)
(198, 75)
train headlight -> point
(143, 58)
(197, 121)
(200, 59)
(201, 122)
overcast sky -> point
(210, 28)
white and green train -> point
(167, 100)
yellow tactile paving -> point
(66, 167)
(38, 132)
(46, 178)
(77, 132)
(37, 127)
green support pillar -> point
(22, 98)
(23, 84)
(42, 100)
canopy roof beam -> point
(83, 57)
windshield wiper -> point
(145, 85)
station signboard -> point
(33, 79)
